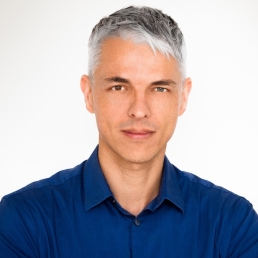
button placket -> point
(137, 222)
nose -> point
(139, 107)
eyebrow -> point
(163, 82)
(156, 83)
(117, 79)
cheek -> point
(107, 102)
(108, 113)
(167, 108)
(166, 114)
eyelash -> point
(158, 88)
(122, 88)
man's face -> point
(137, 97)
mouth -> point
(138, 134)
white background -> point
(44, 126)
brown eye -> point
(118, 88)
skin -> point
(136, 96)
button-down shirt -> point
(74, 214)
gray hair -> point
(142, 25)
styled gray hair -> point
(142, 25)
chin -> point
(138, 155)
(137, 160)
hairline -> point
(180, 65)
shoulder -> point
(232, 217)
(63, 181)
(25, 213)
(198, 187)
(209, 198)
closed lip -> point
(138, 134)
(138, 131)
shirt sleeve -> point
(16, 234)
(244, 234)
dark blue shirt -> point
(74, 214)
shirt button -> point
(137, 222)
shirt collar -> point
(97, 190)
(169, 188)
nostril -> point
(139, 109)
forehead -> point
(125, 58)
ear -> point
(185, 94)
(86, 88)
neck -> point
(134, 185)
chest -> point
(105, 231)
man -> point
(127, 200)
